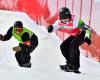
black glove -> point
(50, 28)
(1, 37)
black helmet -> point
(64, 13)
(18, 24)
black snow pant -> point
(23, 56)
(70, 49)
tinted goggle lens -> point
(18, 29)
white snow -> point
(45, 59)
(97, 0)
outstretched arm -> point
(53, 27)
(7, 36)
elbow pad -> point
(50, 28)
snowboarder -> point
(78, 32)
(28, 41)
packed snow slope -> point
(46, 58)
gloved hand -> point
(50, 28)
(87, 34)
(87, 37)
(17, 48)
(1, 37)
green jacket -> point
(19, 37)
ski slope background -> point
(46, 58)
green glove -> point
(87, 34)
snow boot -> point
(64, 68)
(27, 65)
(73, 69)
(77, 71)
(69, 68)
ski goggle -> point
(65, 20)
(18, 30)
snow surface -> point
(46, 58)
(97, 0)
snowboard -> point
(66, 69)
